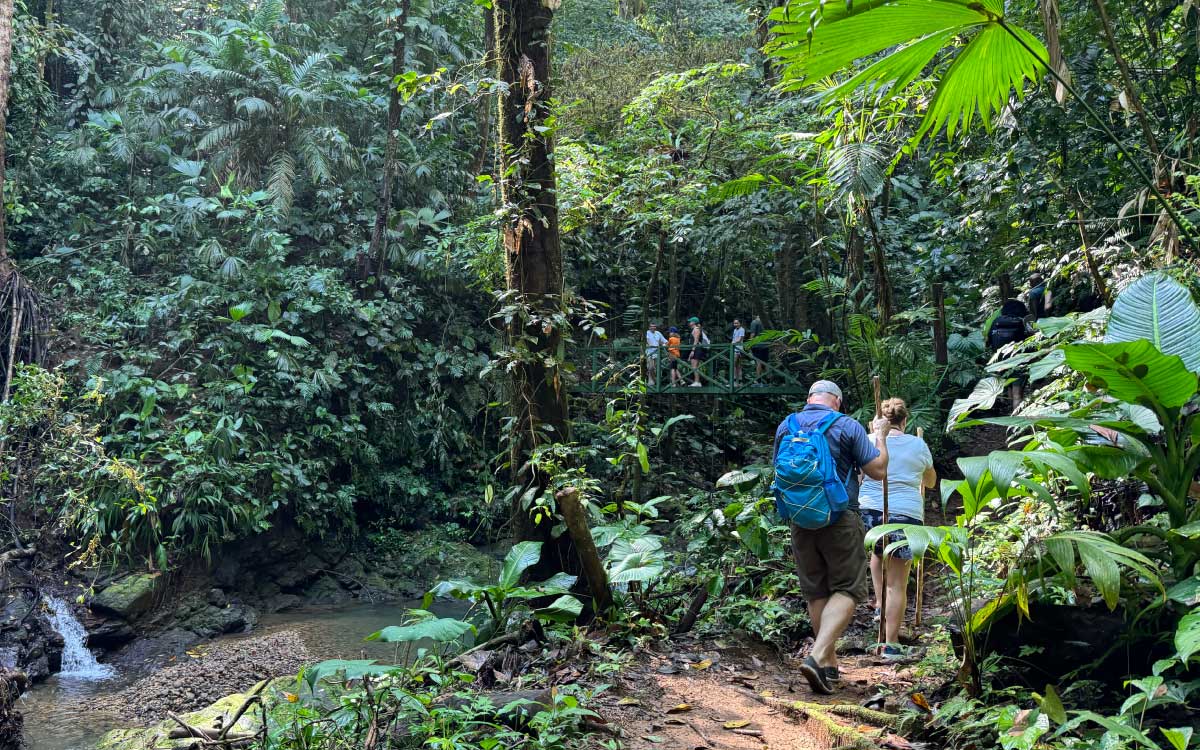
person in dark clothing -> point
(1008, 327)
(832, 562)
(1040, 297)
(760, 352)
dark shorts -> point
(674, 363)
(760, 352)
(873, 518)
(832, 560)
(700, 354)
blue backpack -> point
(808, 490)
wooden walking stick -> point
(883, 567)
(920, 564)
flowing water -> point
(57, 712)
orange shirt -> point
(673, 342)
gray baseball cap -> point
(825, 386)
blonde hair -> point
(895, 411)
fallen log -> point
(823, 715)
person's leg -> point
(841, 546)
(650, 368)
(897, 602)
(876, 582)
(835, 617)
(816, 607)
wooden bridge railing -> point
(612, 369)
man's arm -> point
(876, 468)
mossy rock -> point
(128, 597)
(158, 737)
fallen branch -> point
(255, 695)
(508, 639)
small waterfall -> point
(77, 660)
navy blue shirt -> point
(849, 444)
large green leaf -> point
(353, 669)
(520, 558)
(563, 609)
(982, 397)
(441, 630)
(639, 566)
(1102, 560)
(1187, 635)
(1135, 371)
(815, 39)
(1161, 310)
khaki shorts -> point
(833, 559)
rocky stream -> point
(143, 643)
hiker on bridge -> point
(673, 344)
(910, 471)
(656, 343)
(699, 353)
(819, 453)
(759, 351)
(739, 350)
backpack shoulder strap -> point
(827, 422)
(793, 423)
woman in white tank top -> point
(910, 471)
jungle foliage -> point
(260, 271)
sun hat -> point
(672, 329)
(693, 319)
(825, 386)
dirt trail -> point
(716, 680)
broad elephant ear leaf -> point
(1161, 310)
(441, 630)
(1136, 372)
(519, 559)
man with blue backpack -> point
(819, 453)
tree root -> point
(823, 715)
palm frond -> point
(269, 14)
(857, 169)
(221, 134)
(281, 184)
(252, 105)
(815, 42)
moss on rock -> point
(127, 598)
(158, 736)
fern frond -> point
(281, 184)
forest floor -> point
(707, 693)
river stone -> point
(126, 598)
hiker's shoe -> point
(815, 674)
(695, 385)
(891, 653)
(832, 676)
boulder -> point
(325, 590)
(127, 598)
(211, 621)
(107, 632)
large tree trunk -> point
(532, 254)
(377, 252)
(6, 30)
